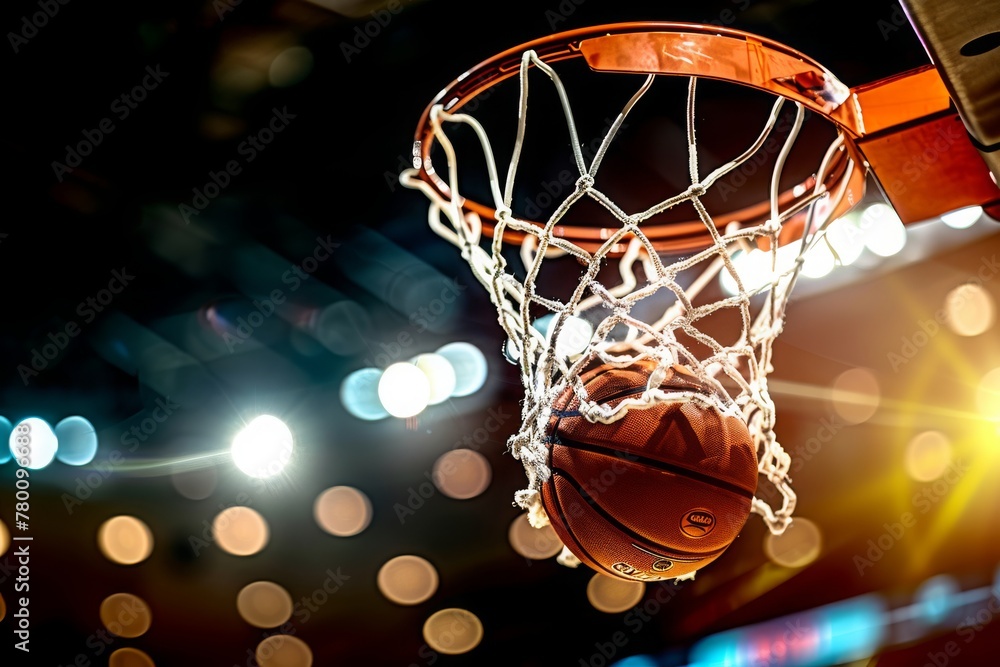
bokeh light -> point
(846, 238)
(39, 438)
(5, 430)
(884, 232)
(263, 448)
(264, 604)
(197, 483)
(461, 473)
(969, 310)
(3, 608)
(342, 511)
(240, 531)
(344, 327)
(799, 545)
(757, 269)
(533, 543)
(404, 390)
(125, 540)
(573, 338)
(963, 218)
(818, 261)
(988, 395)
(4, 538)
(283, 651)
(453, 631)
(856, 395)
(936, 598)
(928, 456)
(130, 657)
(469, 364)
(359, 394)
(440, 375)
(407, 580)
(126, 615)
(612, 594)
(290, 66)
(77, 439)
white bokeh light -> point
(819, 260)
(263, 448)
(758, 268)
(37, 441)
(573, 338)
(847, 239)
(963, 218)
(469, 364)
(884, 232)
(440, 374)
(359, 394)
(404, 390)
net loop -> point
(610, 323)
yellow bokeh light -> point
(126, 615)
(453, 631)
(856, 395)
(125, 540)
(240, 531)
(4, 538)
(969, 310)
(988, 395)
(407, 580)
(342, 511)
(283, 651)
(928, 455)
(264, 604)
(130, 657)
(462, 474)
(613, 595)
(798, 546)
(533, 543)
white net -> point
(598, 323)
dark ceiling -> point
(328, 178)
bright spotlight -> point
(819, 261)
(846, 238)
(33, 443)
(404, 390)
(263, 448)
(885, 234)
(962, 218)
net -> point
(654, 306)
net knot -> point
(697, 190)
(585, 182)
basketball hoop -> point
(677, 259)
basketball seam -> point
(663, 466)
(700, 555)
(569, 531)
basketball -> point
(657, 494)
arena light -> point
(263, 448)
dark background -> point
(331, 172)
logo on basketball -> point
(698, 523)
(662, 565)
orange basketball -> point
(657, 494)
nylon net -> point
(653, 308)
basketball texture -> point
(657, 494)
